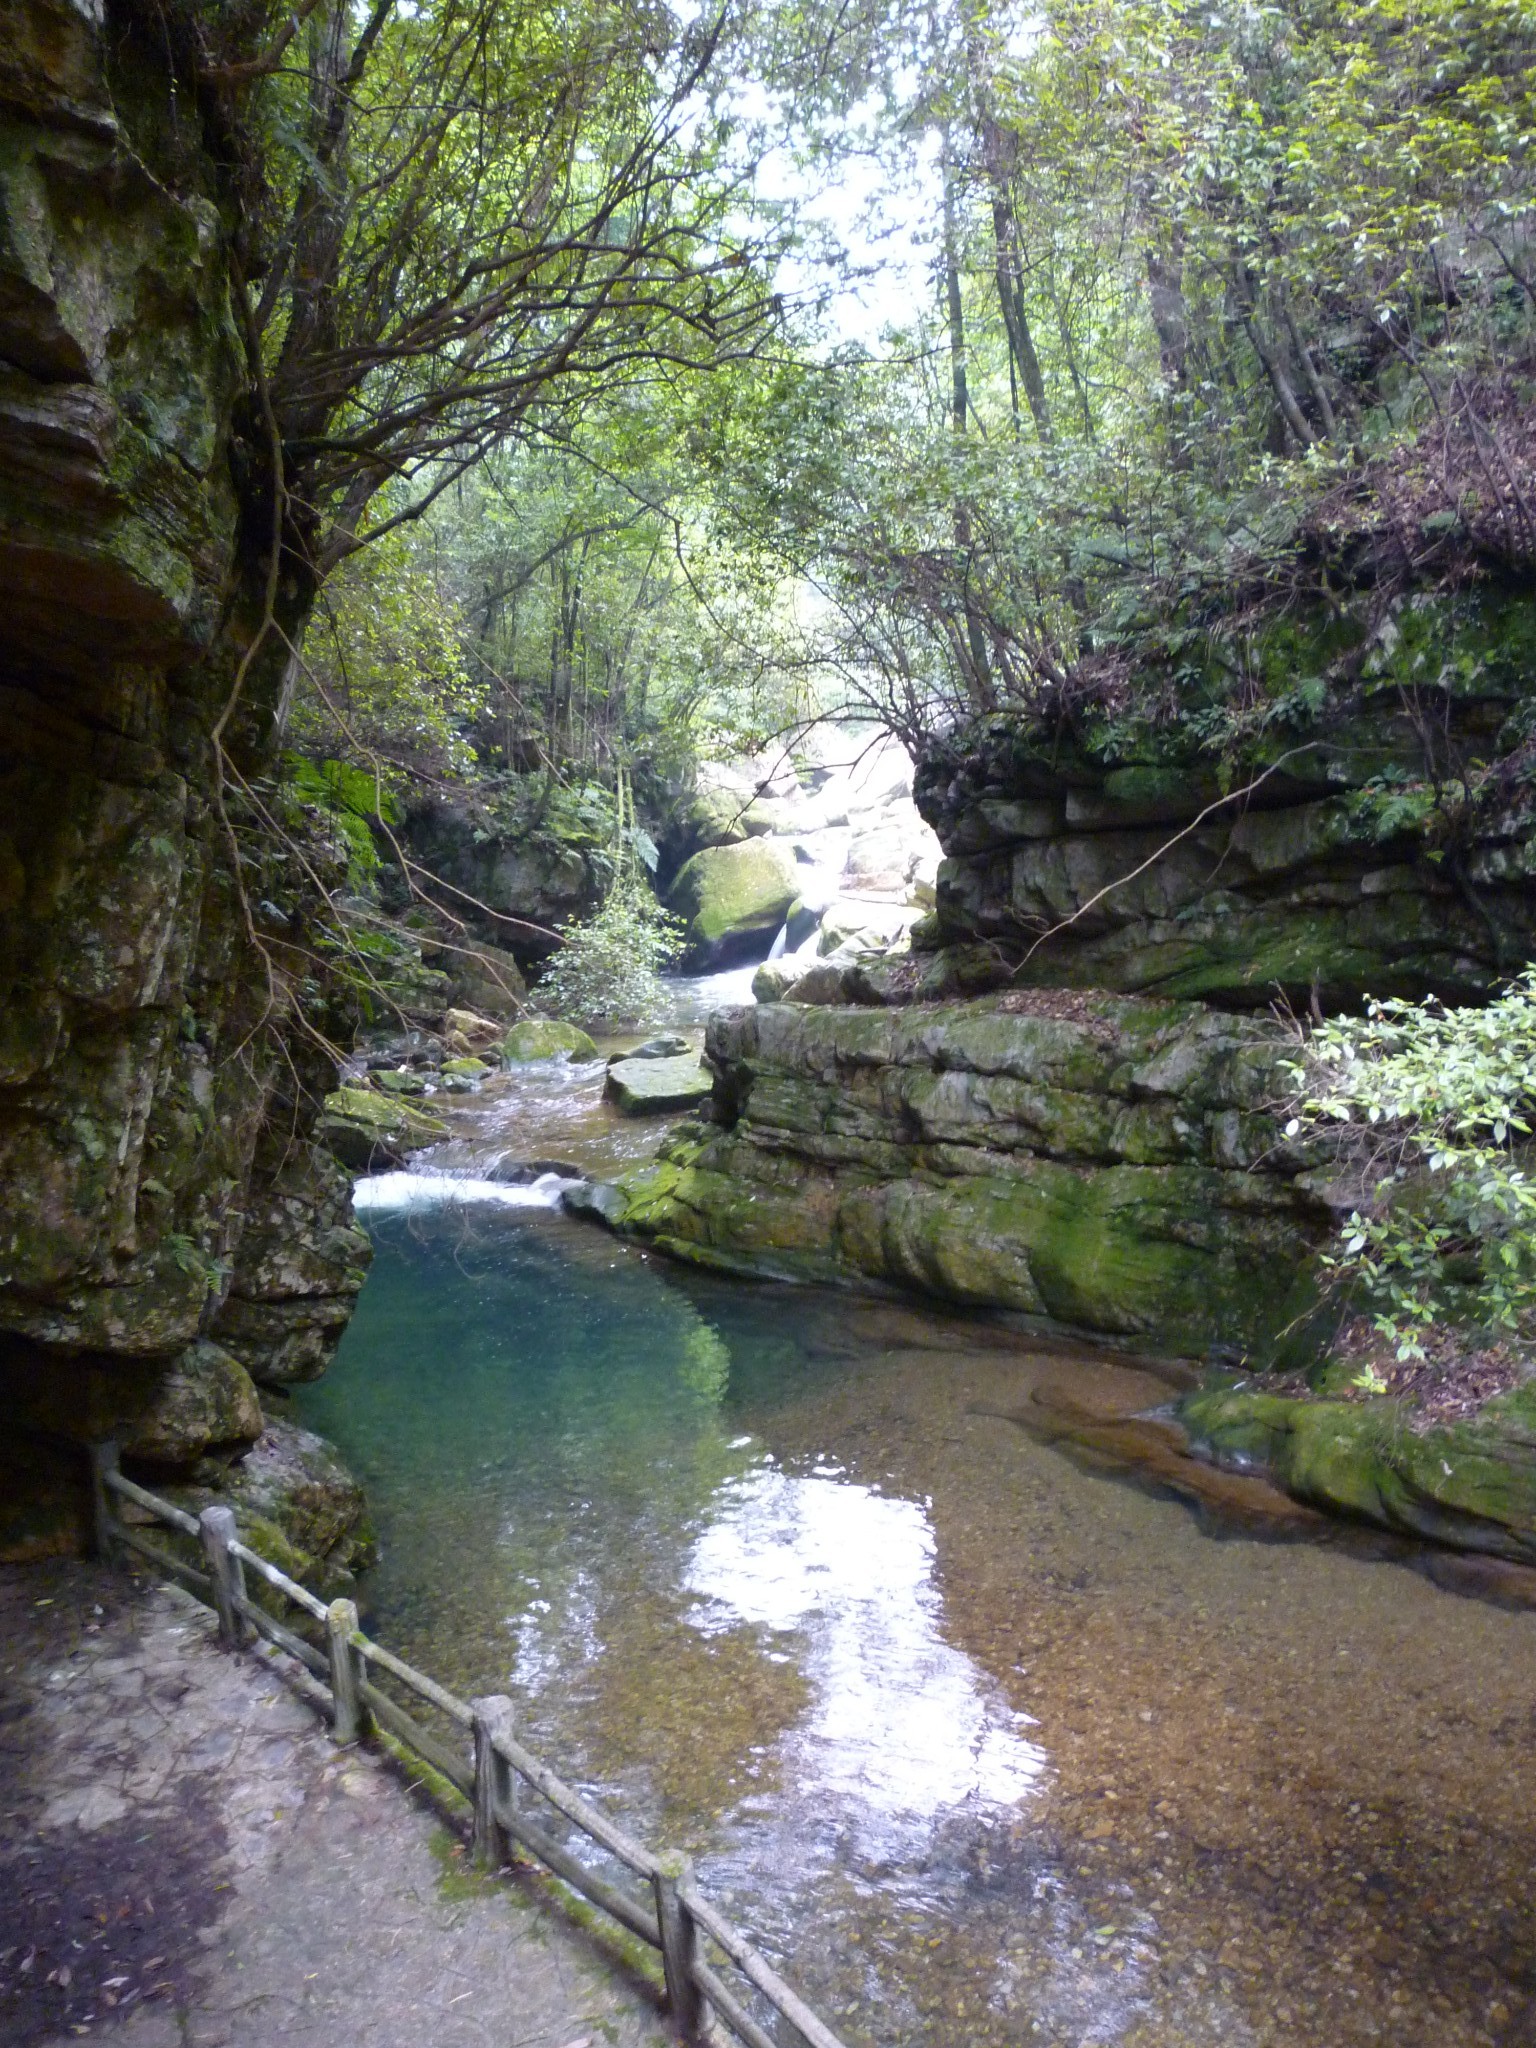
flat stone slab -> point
(189, 1862)
(655, 1087)
(669, 1046)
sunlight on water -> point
(900, 1727)
(988, 1750)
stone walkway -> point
(185, 1859)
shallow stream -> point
(986, 1747)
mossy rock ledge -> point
(370, 1129)
(1470, 1485)
(1129, 862)
(1114, 1172)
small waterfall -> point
(413, 1192)
(776, 950)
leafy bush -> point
(607, 971)
(1437, 1106)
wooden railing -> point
(481, 1758)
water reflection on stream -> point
(986, 1747)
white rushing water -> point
(409, 1193)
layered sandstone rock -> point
(1114, 1168)
(1353, 847)
(167, 1234)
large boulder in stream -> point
(546, 1038)
(655, 1087)
(734, 899)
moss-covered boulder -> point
(399, 1081)
(734, 899)
(297, 1506)
(205, 1401)
(368, 1131)
(546, 1038)
(1470, 1485)
(714, 817)
(654, 1087)
(299, 1267)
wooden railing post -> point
(494, 1784)
(340, 1627)
(103, 1461)
(679, 1951)
(224, 1568)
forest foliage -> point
(1198, 292)
(1436, 1107)
(578, 460)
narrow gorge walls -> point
(168, 1235)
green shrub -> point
(1436, 1107)
(608, 969)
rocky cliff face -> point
(1111, 1168)
(1341, 854)
(168, 1235)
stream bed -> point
(981, 1745)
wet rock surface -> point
(189, 1860)
(809, 847)
(656, 1087)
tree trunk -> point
(975, 666)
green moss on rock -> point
(546, 1038)
(367, 1131)
(1471, 1485)
(1105, 1166)
(654, 1087)
(734, 899)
